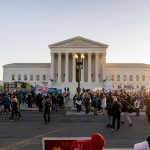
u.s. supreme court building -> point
(95, 72)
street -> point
(27, 134)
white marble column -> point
(104, 66)
(89, 67)
(96, 67)
(73, 68)
(52, 66)
(82, 72)
(59, 67)
(66, 67)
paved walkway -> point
(24, 107)
(74, 113)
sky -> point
(27, 27)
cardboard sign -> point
(96, 142)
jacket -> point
(141, 146)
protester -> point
(78, 103)
(116, 111)
(143, 145)
(15, 108)
(125, 107)
(137, 106)
(109, 109)
(87, 102)
(7, 104)
(95, 103)
(47, 102)
(148, 107)
(103, 105)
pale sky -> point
(27, 27)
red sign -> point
(96, 142)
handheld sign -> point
(96, 142)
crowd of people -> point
(10, 103)
(109, 103)
(112, 104)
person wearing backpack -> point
(15, 108)
(47, 109)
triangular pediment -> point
(77, 42)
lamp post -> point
(79, 66)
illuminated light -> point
(76, 56)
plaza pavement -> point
(69, 109)
(27, 134)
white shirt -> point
(137, 103)
(103, 103)
(141, 146)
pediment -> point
(77, 42)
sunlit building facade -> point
(95, 72)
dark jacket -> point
(116, 108)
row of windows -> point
(130, 86)
(25, 77)
(131, 78)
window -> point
(13, 77)
(119, 86)
(19, 77)
(25, 77)
(124, 78)
(143, 77)
(31, 77)
(137, 77)
(118, 77)
(112, 77)
(131, 77)
(44, 77)
(37, 77)
(142, 87)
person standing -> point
(116, 111)
(29, 99)
(94, 103)
(87, 103)
(15, 108)
(137, 106)
(7, 104)
(125, 106)
(148, 107)
(103, 105)
(47, 109)
(109, 109)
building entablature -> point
(79, 50)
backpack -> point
(48, 104)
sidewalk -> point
(24, 107)
(74, 113)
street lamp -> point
(79, 66)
